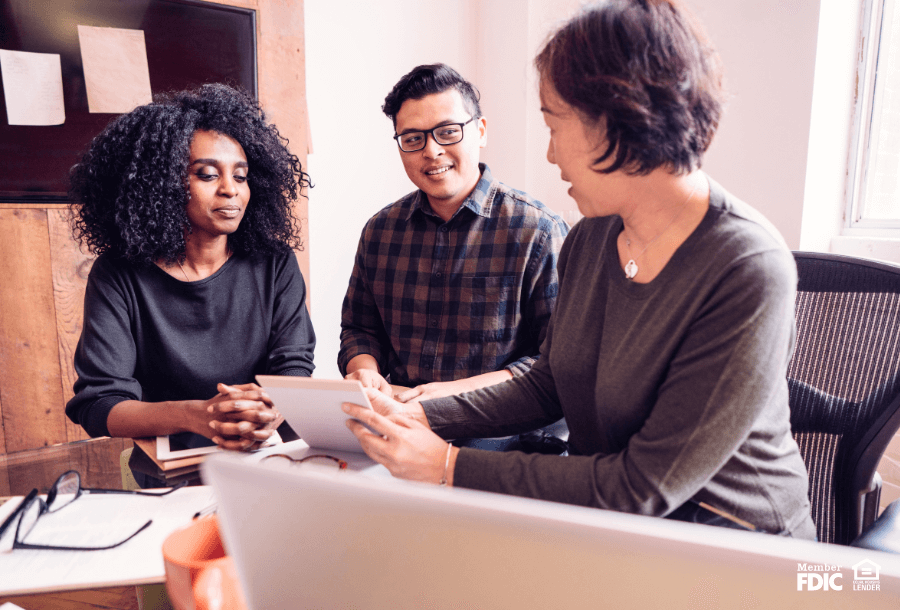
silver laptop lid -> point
(307, 539)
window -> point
(874, 196)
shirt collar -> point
(480, 200)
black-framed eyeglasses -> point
(450, 133)
(329, 461)
(64, 492)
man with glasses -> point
(453, 284)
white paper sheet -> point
(116, 73)
(95, 519)
(32, 88)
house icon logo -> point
(865, 576)
(866, 570)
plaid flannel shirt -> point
(439, 301)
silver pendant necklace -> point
(631, 268)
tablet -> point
(312, 407)
(182, 445)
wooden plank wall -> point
(44, 277)
(44, 273)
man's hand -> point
(439, 389)
(436, 389)
(371, 379)
(391, 408)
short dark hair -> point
(130, 191)
(645, 70)
(428, 80)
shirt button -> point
(444, 229)
(426, 366)
(438, 274)
(434, 322)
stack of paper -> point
(91, 520)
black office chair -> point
(844, 381)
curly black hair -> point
(129, 193)
(644, 70)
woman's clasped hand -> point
(242, 416)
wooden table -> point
(97, 460)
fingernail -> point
(345, 407)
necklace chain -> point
(187, 279)
(631, 268)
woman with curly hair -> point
(667, 351)
(187, 202)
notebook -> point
(303, 538)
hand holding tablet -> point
(312, 407)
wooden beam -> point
(70, 267)
(30, 385)
(282, 91)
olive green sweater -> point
(672, 390)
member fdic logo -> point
(828, 577)
(819, 577)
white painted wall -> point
(356, 50)
(768, 48)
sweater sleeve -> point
(292, 340)
(526, 402)
(720, 391)
(106, 355)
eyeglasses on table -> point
(327, 461)
(64, 492)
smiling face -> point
(447, 174)
(217, 183)
(574, 147)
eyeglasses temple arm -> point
(91, 490)
(43, 547)
(12, 516)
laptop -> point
(307, 538)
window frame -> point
(865, 122)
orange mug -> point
(199, 575)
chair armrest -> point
(884, 534)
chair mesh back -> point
(843, 379)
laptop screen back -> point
(307, 539)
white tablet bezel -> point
(163, 452)
(312, 407)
